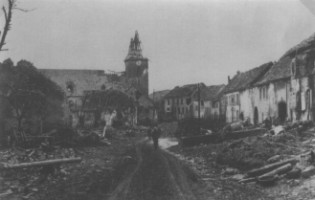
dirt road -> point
(158, 175)
(128, 169)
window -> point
(70, 103)
(168, 109)
(232, 99)
(202, 103)
(188, 101)
(293, 67)
(183, 110)
(70, 86)
(181, 101)
(263, 93)
(168, 102)
(266, 92)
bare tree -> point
(7, 11)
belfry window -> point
(70, 86)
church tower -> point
(137, 66)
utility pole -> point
(153, 117)
(198, 86)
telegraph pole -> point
(153, 117)
(198, 86)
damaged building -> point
(280, 91)
(194, 101)
(134, 82)
(240, 96)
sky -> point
(186, 41)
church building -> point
(77, 83)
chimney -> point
(229, 80)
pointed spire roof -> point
(135, 50)
(137, 41)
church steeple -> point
(135, 50)
(137, 66)
(137, 41)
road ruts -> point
(157, 176)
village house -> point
(193, 101)
(158, 99)
(280, 91)
(290, 85)
(182, 102)
(214, 94)
(239, 94)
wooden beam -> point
(40, 163)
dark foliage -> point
(28, 93)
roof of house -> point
(158, 95)
(282, 70)
(302, 46)
(113, 99)
(183, 91)
(145, 102)
(243, 80)
(80, 79)
(214, 92)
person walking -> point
(155, 134)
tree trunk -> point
(19, 119)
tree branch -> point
(8, 17)
(23, 10)
(5, 13)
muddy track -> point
(157, 175)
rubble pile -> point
(91, 174)
(26, 180)
(281, 154)
(253, 152)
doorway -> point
(256, 116)
(282, 111)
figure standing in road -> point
(155, 134)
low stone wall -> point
(245, 133)
(217, 138)
(197, 140)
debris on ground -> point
(62, 170)
(283, 156)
